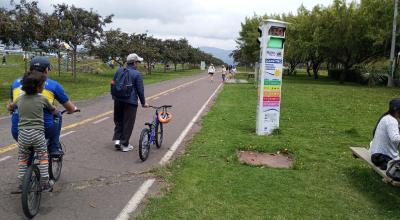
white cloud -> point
(202, 22)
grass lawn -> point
(88, 85)
(319, 121)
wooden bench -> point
(363, 154)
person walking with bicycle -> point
(52, 91)
(126, 87)
(31, 135)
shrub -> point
(352, 75)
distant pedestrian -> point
(4, 61)
(211, 71)
(233, 71)
(223, 73)
(125, 108)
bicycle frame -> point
(154, 123)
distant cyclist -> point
(52, 91)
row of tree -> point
(115, 44)
(340, 35)
(26, 25)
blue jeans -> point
(51, 131)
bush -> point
(374, 73)
(352, 75)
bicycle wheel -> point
(144, 145)
(55, 166)
(31, 192)
(159, 135)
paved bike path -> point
(97, 181)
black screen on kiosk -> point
(277, 31)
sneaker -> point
(117, 144)
(126, 148)
(48, 186)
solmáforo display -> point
(272, 43)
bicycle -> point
(31, 185)
(153, 134)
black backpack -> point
(121, 86)
(393, 170)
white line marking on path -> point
(100, 120)
(135, 200)
(178, 141)
(1, 118)
(68, 133)
(5, 158)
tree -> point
(113, 45)
(183, 51)
(27, 26)
(343, 36)
(6, 26)
(79, 27)
(167, 52)
(294, 53)
(147, 47)
(248, 49)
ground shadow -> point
(370, 184)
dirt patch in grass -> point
(265, 159)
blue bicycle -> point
(154, 133)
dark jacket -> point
(138, 86)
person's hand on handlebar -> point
(70, 107)
(146, 105)
(10, 108)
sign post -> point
(203, 65)
(272, 42)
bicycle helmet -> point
(164, 117)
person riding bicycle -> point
(31, 135)
(52, 91)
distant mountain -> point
(219, 53)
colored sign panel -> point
(270, 91)
(275, 43)
(270, 75)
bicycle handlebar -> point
(65, 111)
(158, 107)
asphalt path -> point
(98, 182)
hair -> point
(32, 81)
(394, 107)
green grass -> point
(87, 85)
(319, 121)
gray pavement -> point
(97, 181)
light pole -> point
(392, 63)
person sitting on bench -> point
(386, 136)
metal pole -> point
(392, 63)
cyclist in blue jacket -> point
(52, 91)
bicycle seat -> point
(148, 123)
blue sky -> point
(203, 22)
